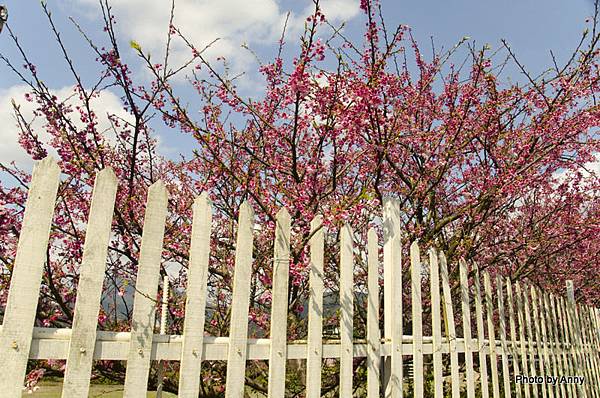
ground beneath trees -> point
(53, 389)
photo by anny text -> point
(552, 380)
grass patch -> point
(53, 389)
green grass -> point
(53, 389)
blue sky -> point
(532, 27)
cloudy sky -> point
(532, 27)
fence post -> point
(576, 333)
(279, 306)
(532, 350)
(568, 346)
(450, 327)
(595, 341)
(417, 319)
(392, 291)
(590, 364)
(502, 325)
(522, 342)
(195, 301)
(590, 348)
(548, 340)
(538, 338)
(238, 329)
(436, 327)
(346, 311)
(89, 290)
(146, 286)
(595, 332)
(513, 334)
(489, 303)
(315, 310)
(466, 315)
(546, 352)
(373, 333)
(19, 315)
(559, 366)
(483, 370)
(164, 308)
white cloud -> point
(234, 22)
(590, 173)
(10, 150)
(593, 167)
(9, 132)
(339, 10)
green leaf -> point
(135, 45)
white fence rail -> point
(539, 334)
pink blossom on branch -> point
(484, 169)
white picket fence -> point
(528, 332)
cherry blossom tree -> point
(484, 168)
